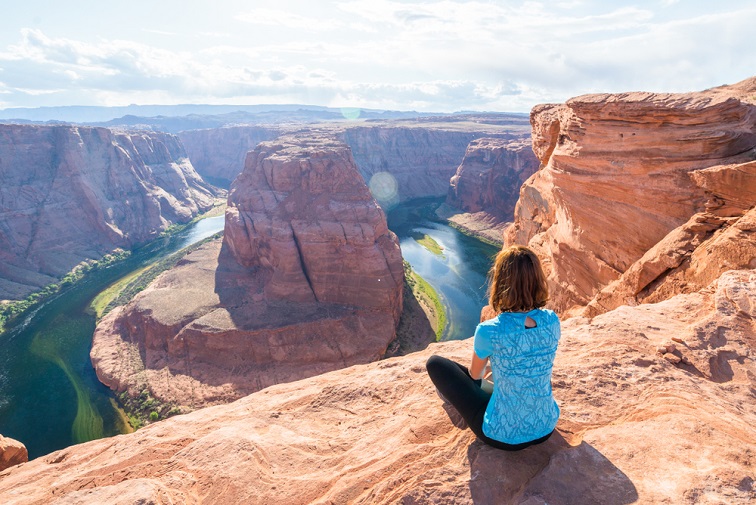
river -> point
(457, 273)
(50, 397)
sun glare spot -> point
(385, 189)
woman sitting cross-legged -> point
(520, 343)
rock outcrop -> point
(490, 176)
(68, 194)
(487, 184)
(12, 453)
(637, 426)
(218, 154)
(669, 176)
(308, 279)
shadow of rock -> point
(414, 331)
(553, 472)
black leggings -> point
(454, 382)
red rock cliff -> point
(420, 158)
(621, 172)
(71, 193)
(420, 155)
(490, 176)
(218, 154)
(308, 279)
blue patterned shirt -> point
(522, 407)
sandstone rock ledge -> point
(637, 189)
(308, 279)
(635, 428)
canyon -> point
(642, 209)
(70, 194)
(307, 278)
(420, 154)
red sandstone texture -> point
(490, 176)
(487, 185)
(308, 279)
(421, 159)
(637, 426)
(641, 195)
(12, 452)
(68, 194)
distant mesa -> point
(308, 279)
(74, 193)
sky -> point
(434, 55)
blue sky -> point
(435, 55)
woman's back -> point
(522, 407)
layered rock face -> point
(218, 154)
(635, 428)
(634, 174)
(308, 279)
(420, 156)
(490, 176)
(487, 184)
(420, 160)
(303, 218)
(70, 193)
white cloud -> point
(438, 55)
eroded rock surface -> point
(637, 174)
(72, 193)
(218, 154)
(487, 184)
(635, 428)
(308, 279)
(12, 453)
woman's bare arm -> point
(477, 366)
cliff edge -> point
(637, 426)
(70, 193)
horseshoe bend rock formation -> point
(72, 193)
(636, 427)
(308, 279)
(668, 176)
(487, 184)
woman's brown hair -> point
(516, 281)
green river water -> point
(50, 397)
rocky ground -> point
(657, 407)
